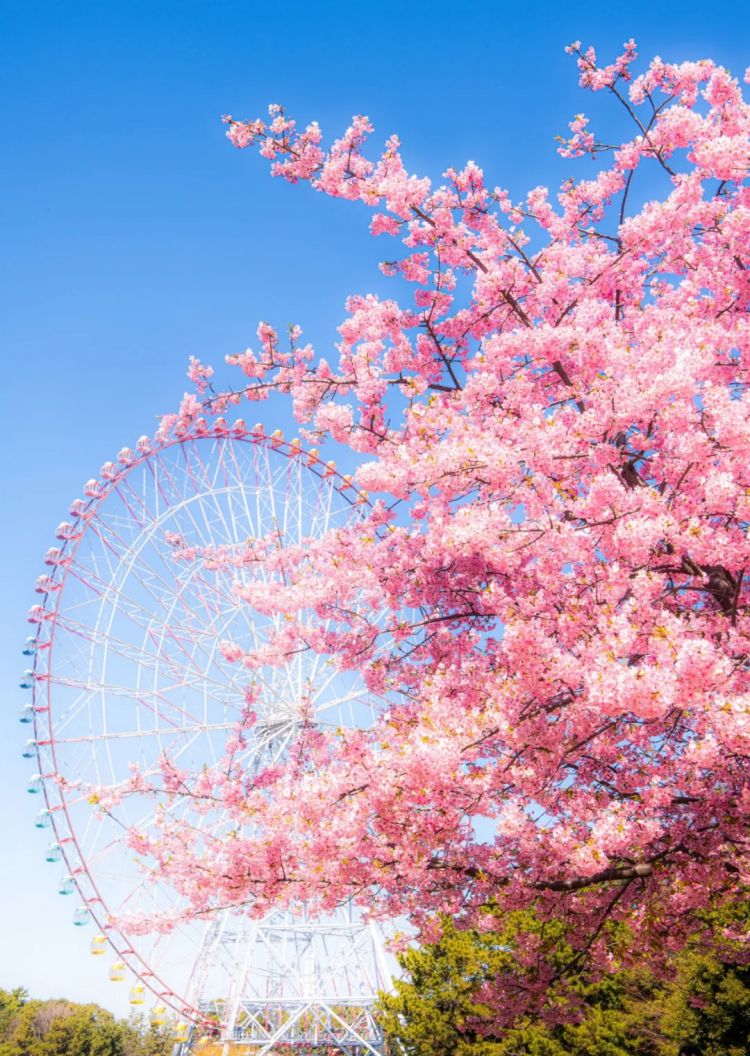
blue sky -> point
(135, 236)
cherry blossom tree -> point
(552, 433)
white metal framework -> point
(127, 669)
(304, 982)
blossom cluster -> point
(554, 429)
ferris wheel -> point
(125, 669)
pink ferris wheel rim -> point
(45, 615)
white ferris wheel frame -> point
(60, 789)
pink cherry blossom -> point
(548, 587)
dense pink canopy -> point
(554, 434)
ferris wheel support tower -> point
(300, 981)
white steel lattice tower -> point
(128, 670)
(306, 982)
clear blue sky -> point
(135, 236)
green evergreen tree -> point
(709, 1003)
(62, 1028)
(438, 1008)
(11, 1003)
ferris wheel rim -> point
(47, 612)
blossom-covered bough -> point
(553, 430)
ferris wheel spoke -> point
(164, 476)
(148, 542)
(126, 734)
(217, 682)
(200, 683)
(78, 711)
(231, 535)
(212, 592)
(183, 506)
(140, 614)
(133, 654)
(120, 601)
(188, 454)
(240, 493)
(171, 708)
(335, 703)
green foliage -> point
(141, 1038)
(11, 1003)
(62, 1028)
(447, 1003)
(711, 1005)
(710, 1000)
(438, 1010)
